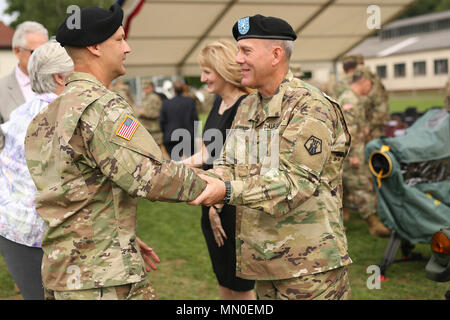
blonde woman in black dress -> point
(222, 76)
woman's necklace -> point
(224, 106)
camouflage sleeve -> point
(354, 117)
(305, 147)
(151, 109)
(224, 165)
(134, 161)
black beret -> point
(263, 27)
(96, 25)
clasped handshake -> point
(214, 192)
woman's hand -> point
(216, 226)
(148, 255)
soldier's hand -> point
(216, 226)
(148, 255)
(213, 193)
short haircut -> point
(47, 60)
(357, 76)
(349, 65)
(178, 87)
(288, 47)
(19, 37)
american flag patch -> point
(127, 128)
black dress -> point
(223, 258)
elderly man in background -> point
(21, 228)
(15, 88)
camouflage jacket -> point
(88, 170)
(149, 117)
(377, 109)
(355, 116)
(342, 84)
(284, 159)
(447, 96)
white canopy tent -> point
(166, 35)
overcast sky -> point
(3, 17)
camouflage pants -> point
(329, 285)
(359, 192)
(133, 291)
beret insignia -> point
(244, 25)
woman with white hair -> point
(21, 228)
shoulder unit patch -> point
(313, 145)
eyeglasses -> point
(31, 51)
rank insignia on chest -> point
(313, 145)
(127, 128)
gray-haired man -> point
(15, 88)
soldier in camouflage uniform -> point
(359, 192)
(349, 64)
(289, 228)
(150, 111)
(376, 104)
(90, 159)
(447, 96)
(123, 90)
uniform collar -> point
(82, 76)
(273, 108)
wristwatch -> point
(218, 210)
(226, 199)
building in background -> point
(410, 54)
(7, 58)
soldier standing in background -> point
(376, 104)
(150, 111)
(447, 96)
(290, 234)
(121, 88)
(359, 191)
(90, 159)
(349, 64)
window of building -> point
(420, 68)
(441, 66)
(307, 75)
(399, 70)
(382, 71)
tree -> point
(49, 13)
(426, 6)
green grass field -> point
(185, 272)
(173, 230)
(398, 102)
